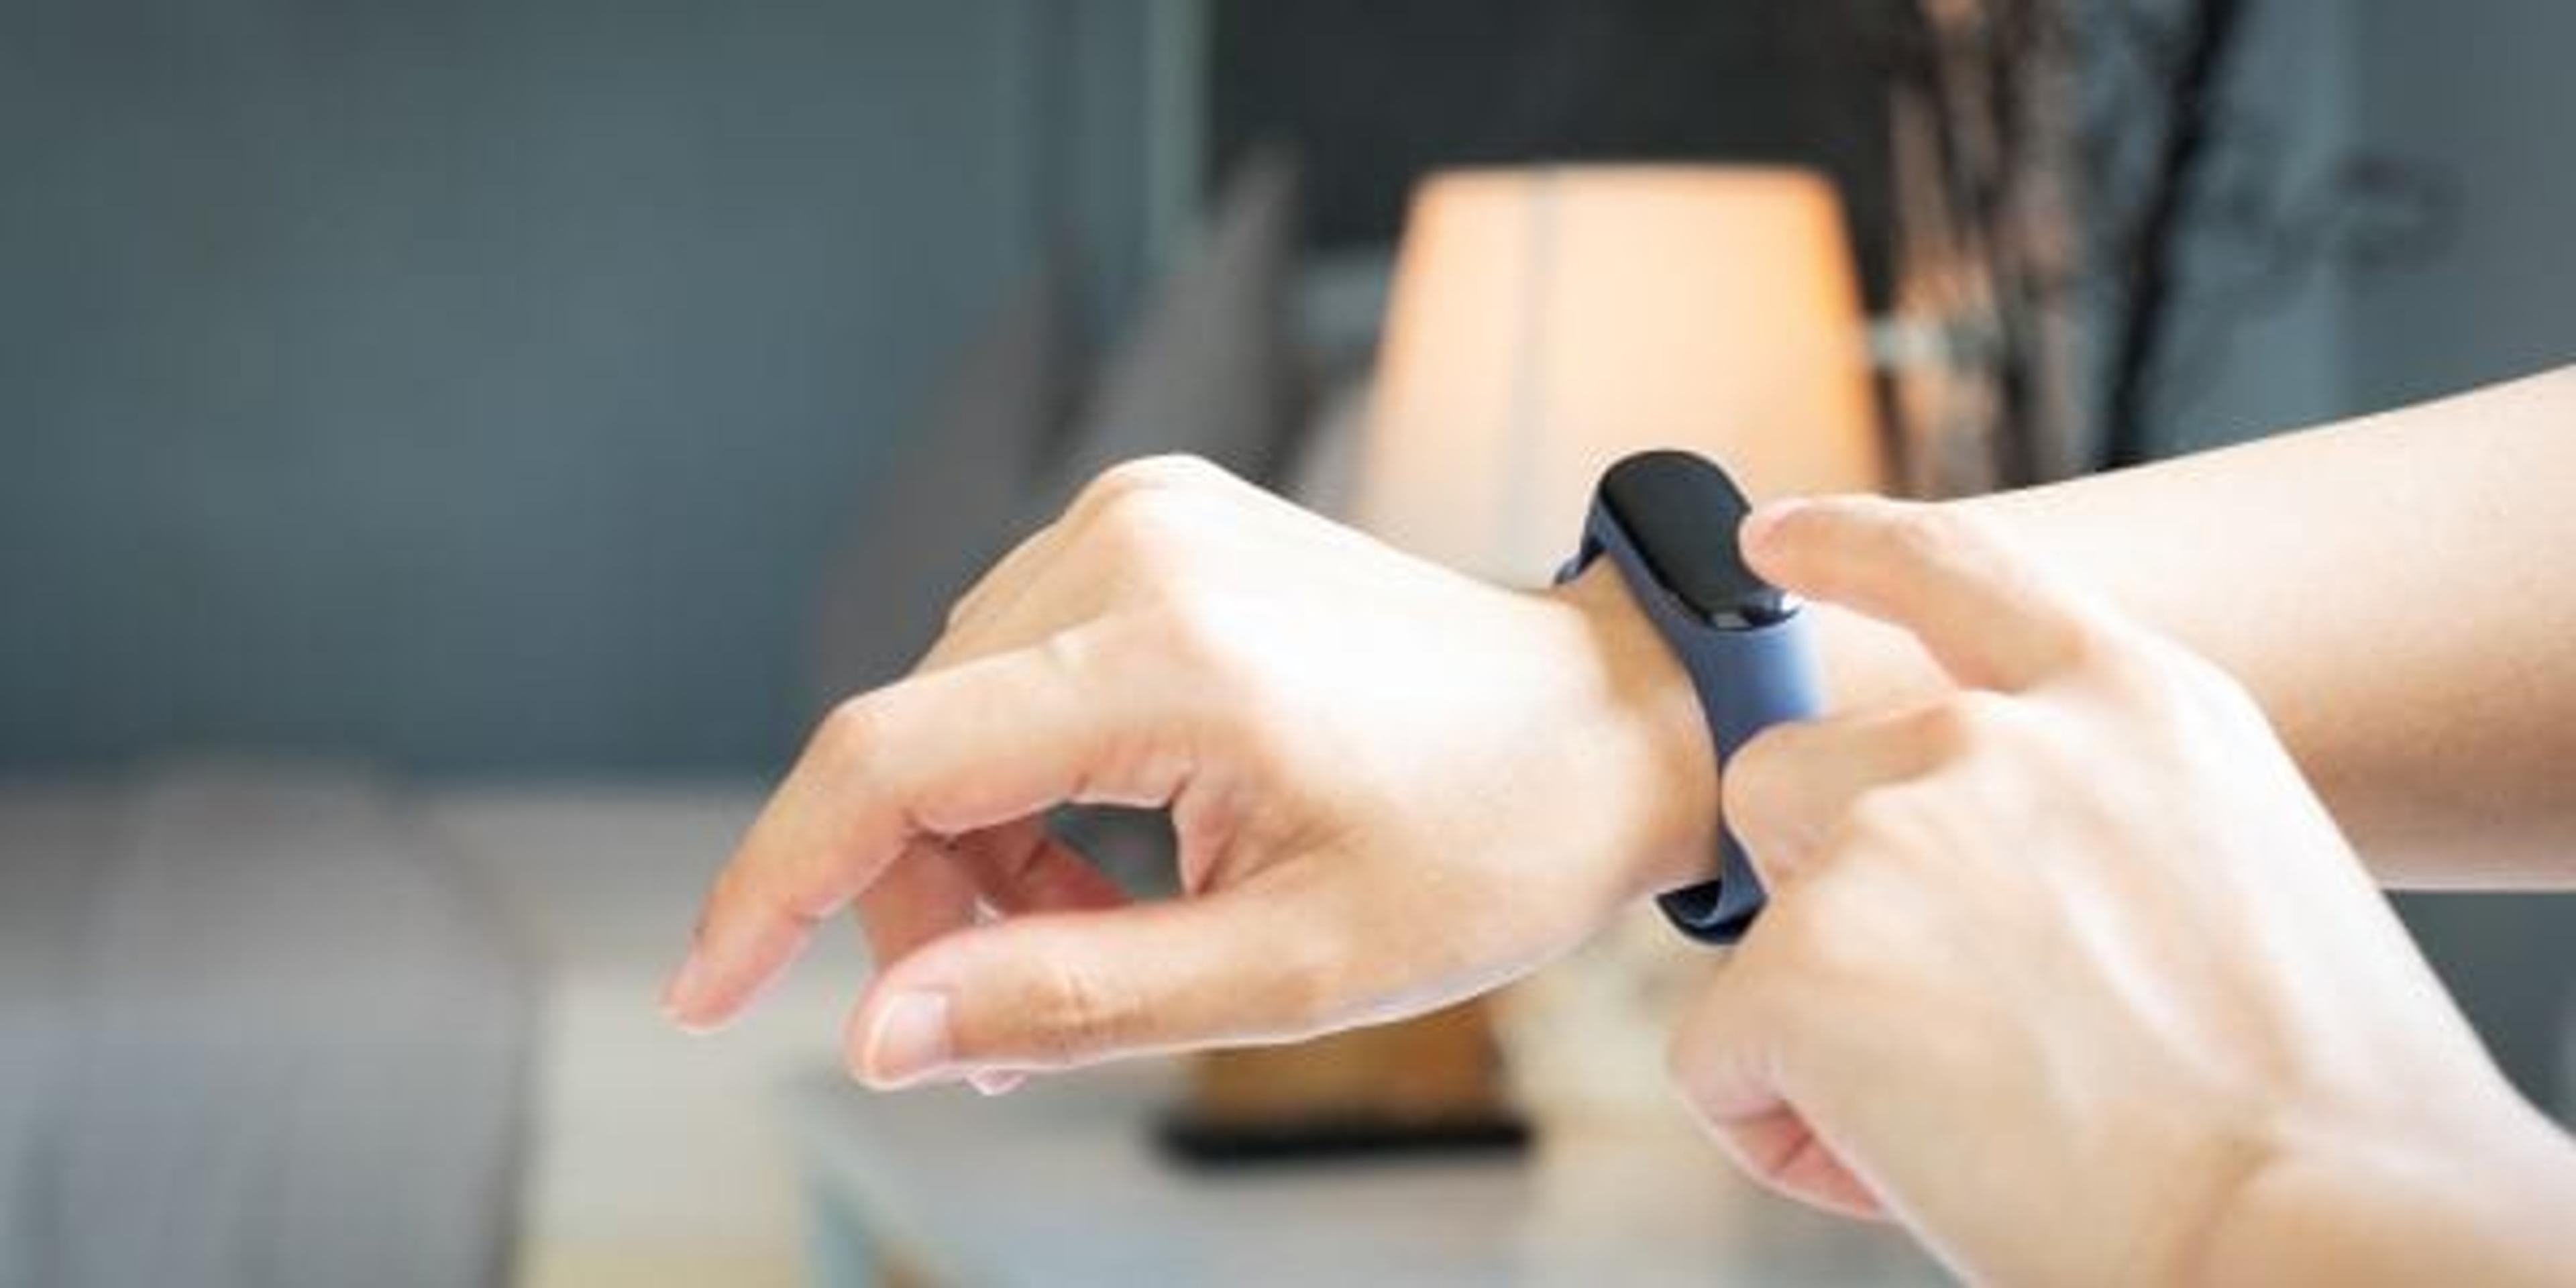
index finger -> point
(1991, 615)
(942, 753)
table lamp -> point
(1547, 321)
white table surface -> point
(1059, 1183)
(652, 1157)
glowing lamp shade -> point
(1546, 322)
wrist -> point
(1646, 699)
(2473, 1197)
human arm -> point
(1396, 785)
(2398, 592)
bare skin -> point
(2399, 593)
(2067, 969)
(1360, 748)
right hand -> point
(2070, 971)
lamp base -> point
(1428, 1085)
(1199, 1140)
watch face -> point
(1681, 513)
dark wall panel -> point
(477, 384)
(1372, 94)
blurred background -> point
(449, 453)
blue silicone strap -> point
(1748, 678)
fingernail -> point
(995, 1082)
(1758, 525)
(681, 997)
(910, 1039)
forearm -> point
(2400, 594)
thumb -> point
(1055, 990)
(1727, 1061)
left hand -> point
(1392, 786)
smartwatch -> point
(1668, 521)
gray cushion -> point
(272, 1042)
(949, 501)
(1209, 369)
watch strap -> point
(1747, 678)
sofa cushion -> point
(1209, 369)
(951, 498)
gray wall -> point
(2485, 86)
(478, 384)
(2478, 91)
(2245, 366)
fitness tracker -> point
(1667, 520)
